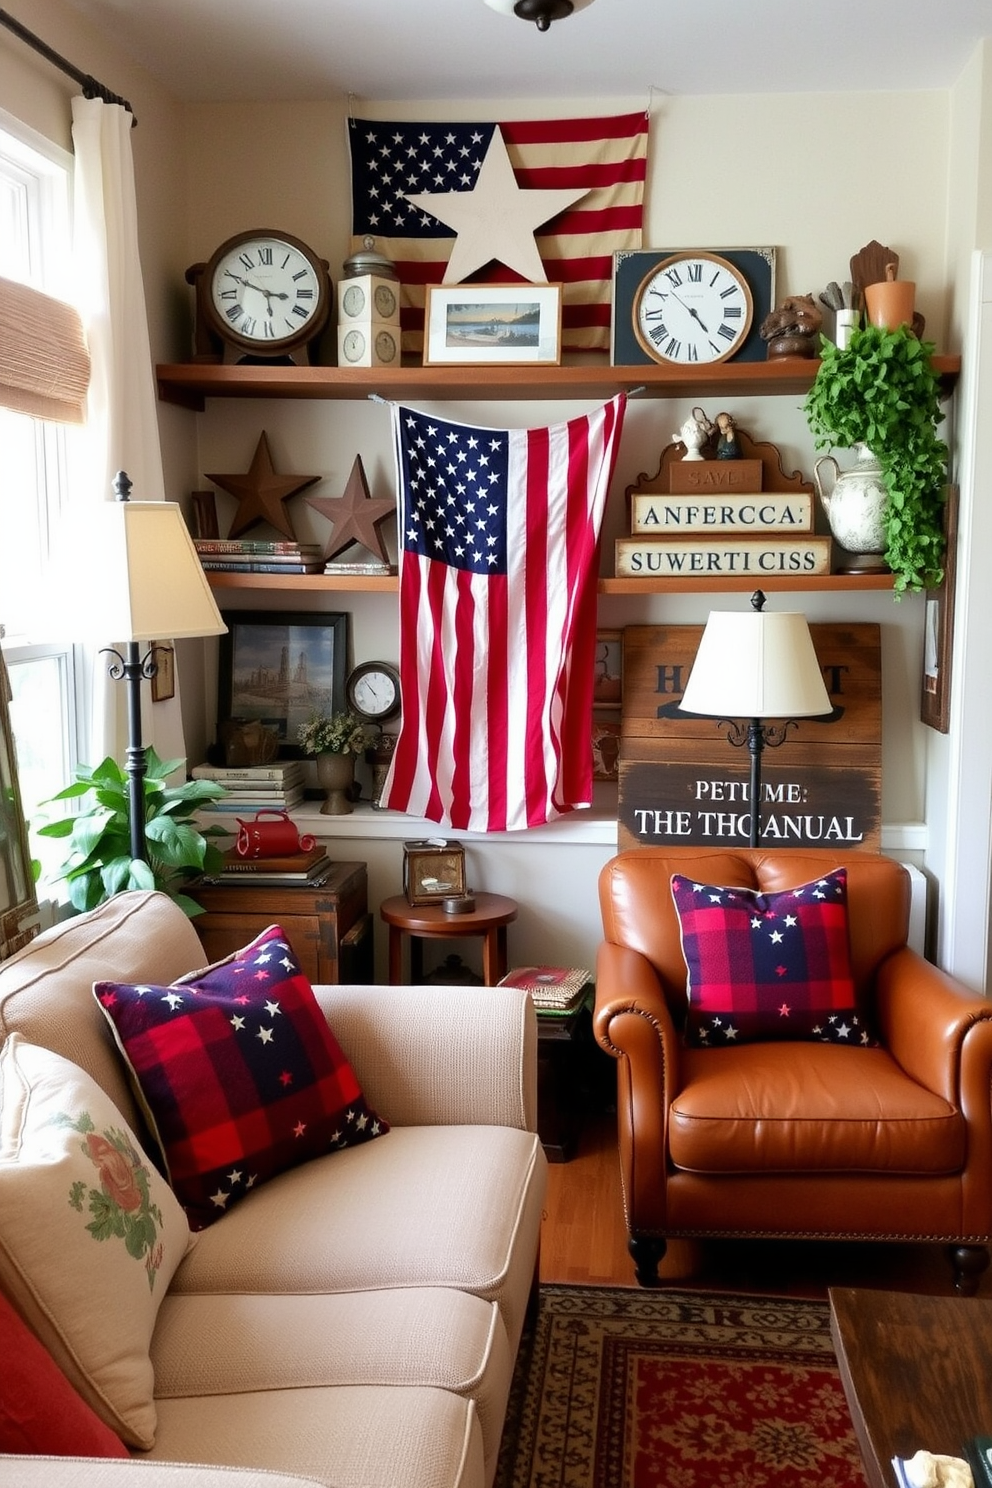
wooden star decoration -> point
(496, 219)
(356, 515)
(261, 492)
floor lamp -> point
(151, 586)
(754, 667)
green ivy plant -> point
(99, 864)
(882, 391)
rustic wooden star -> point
(356, 515)
(261, 492)
(497, 218)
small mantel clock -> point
(262, 296)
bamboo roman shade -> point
(44, 363)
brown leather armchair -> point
(791, 1139)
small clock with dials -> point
(368, 321)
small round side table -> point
(489, 919)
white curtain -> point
(121, 431)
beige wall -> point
(788, 171)
(816, 176)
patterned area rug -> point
(619, 1388)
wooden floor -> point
(584, 1242)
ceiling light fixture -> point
(541, 12)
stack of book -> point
(253, 555)
(275, 787)
(308, 869)
(372, 568)
(553, 989)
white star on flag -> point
(496, 219)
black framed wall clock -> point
(373, 691)
(685, 307)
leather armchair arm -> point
(632, 1022)
(938, 1029)
(627, 982)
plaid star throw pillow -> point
(768, 966)
(238, 1073)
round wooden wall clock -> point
(693, 309)
(263, 295)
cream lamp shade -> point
(753, 667)
(146, 582)
(758, 665)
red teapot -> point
(273, 838)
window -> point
(35, 178)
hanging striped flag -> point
(498, 572)
(390, 161)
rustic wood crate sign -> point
(705, 512)
(680, 780)
(720, 558)
(718, 518)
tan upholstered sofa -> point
(353, 1321)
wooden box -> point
(329, 927)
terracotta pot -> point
(890, 303)
(336, 775)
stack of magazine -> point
(554, 989)
(253, 555)
(251, 788)
(302, 869)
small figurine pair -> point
(699, 428)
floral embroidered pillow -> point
(90, 1233)
(238, 1073)
(768, 966)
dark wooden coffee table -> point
(917, 1373)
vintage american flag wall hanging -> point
(391, 160)
(498, 571)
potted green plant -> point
(881, 392)
(335, 739)
(99, 865)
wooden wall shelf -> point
(331, 584)
(189, 384)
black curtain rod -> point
(91, 88)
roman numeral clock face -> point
(266, 293)
(693, 308)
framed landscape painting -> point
(278, 668)
(492, 325)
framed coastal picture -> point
(492, 325)
(277, 668)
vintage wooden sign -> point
(720, 558)
(680, 780)
(742, 514)
(713, 477)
